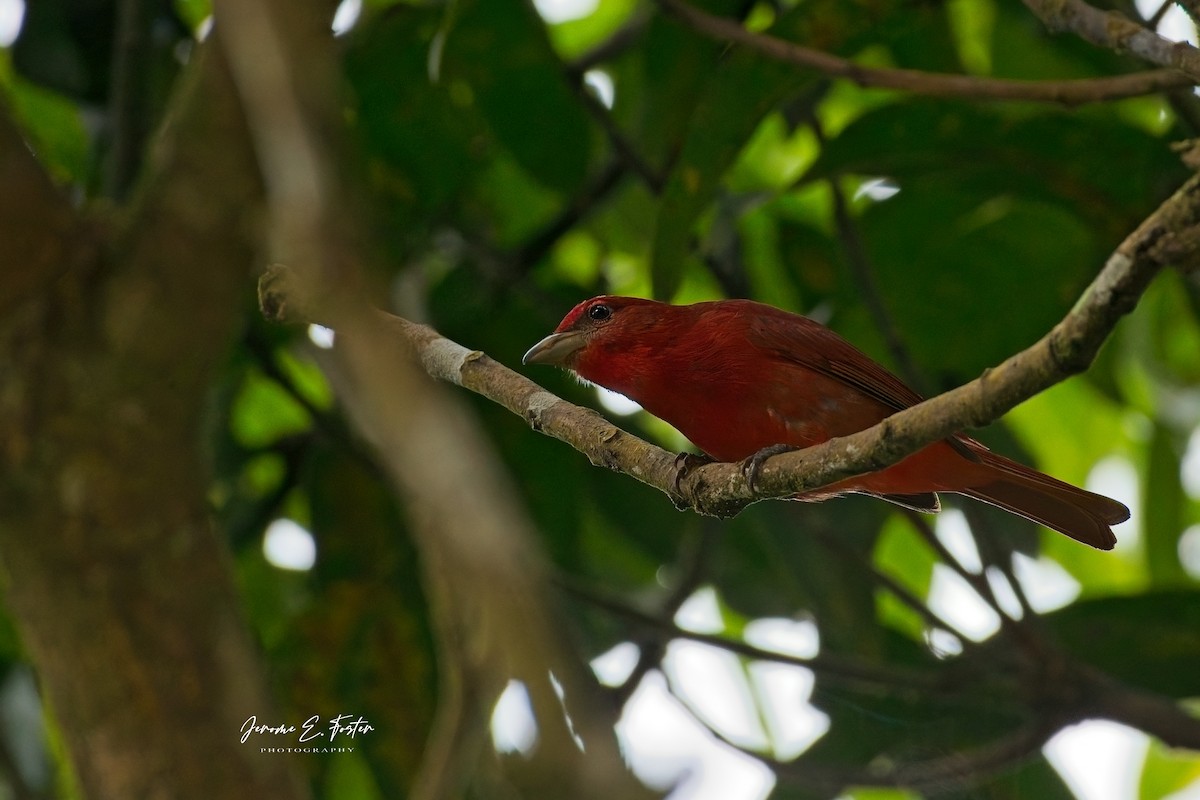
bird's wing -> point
(811, 345)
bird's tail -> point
(1084, 516)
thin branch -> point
(244, 528)
(864, 278)
(1182, 101)
(830, 668)
(896, 589)
(625, 149)
(988, 551)
(1066, 92)
(535, 248)
(1154, 19)
(1117, 32)
(575, 73)
(129, 96)
(624, 39)
(977, 581)
(958, 770)
(693, 560)
(1101, 696)
(331, 425)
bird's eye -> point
(599, 312)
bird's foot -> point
(752, 465)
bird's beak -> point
(555, 349)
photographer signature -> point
(310, 730)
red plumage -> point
(735, 376)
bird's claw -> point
(752, 465)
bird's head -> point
(605, 323)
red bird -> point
(735, 377)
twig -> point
(958, 770)
(693, 559)
(619, 42)
(1001, 561)
(977, 581)
(897, 590)
(242, 529)
(129, 99)
(830, 668)
(1157, 17)
(332, 425)
(1182, 101)
(864, 277)
(1101, 696)
(1117, 32)
(1065, 92)
(535, 248)
(624, 148)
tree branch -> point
(624, 149)
(129, 104)
(691, 563)
(1116, 32)
(523, 259)
(832, 668)
(864, 280)
(957, 770)
(1103, 697)
(1066, 92)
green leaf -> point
(776, 560)
(1164, 507)
(500, 54)
(350, 777)
(904, 555)
(991, 258)
(1159, 627)
(418, 132)
(1167, 771)
(1050, 156)
(674, 67)
(264, 412)
(53, 127)
(720, 125)
(575, 37)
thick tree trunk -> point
(122, 593)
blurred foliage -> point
(505, 188)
